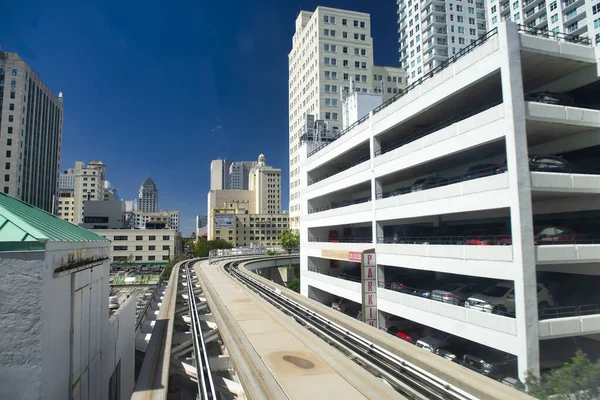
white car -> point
(500, 299)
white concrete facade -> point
(492, 79)
(571, 17)
(432, 31)
(56, 339)
(265, 181)
(330, 48)
(88, 185)
(140, 246)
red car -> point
(482, 237)
(404, 337)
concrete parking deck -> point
(274, 356)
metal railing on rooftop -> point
(555, 35)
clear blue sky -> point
(161, 88)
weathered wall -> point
(21, 324)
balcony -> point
(571, 4)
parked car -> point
(558, 235)
(543, 163)
(500, 299)
(428, 183)
(346, 306)
(453, 351)
(457, 293)
(436, 340)
(549, 97)
(480, 170)
(495, 364)
(486, 237)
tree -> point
(294, 285)
(289, 240)
(203, 247)
(578, 379)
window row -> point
(138, 248)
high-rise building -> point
(79, 184)
(573, 17)
(432, 31)
(265, 181)
(111, 192)
(201, 222)
(219, 174)
(148, 196)
(332, 49)
(238, 174)
(31, 119)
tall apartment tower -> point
(238, 174)
(31, 118)
(432, 31)
(219, 174)
(79, 184)
(573, 17)
(148, 196)
(265, 181)
(332, 50)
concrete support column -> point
(521, 206)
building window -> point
(138, 258)
(6, 189)
(151, 258)
(345, 50)
(139, 247)
(11, 107)
(165, 247)
(120, 238)
(151, 247)
(139, 238)
(14, 72)
(11, 118)
(166, 237)
(13, 84)
(327, 115)
(151, 237)
(119, 248)
(165, 258)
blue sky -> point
(161, 88)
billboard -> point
(224, 220)
(369, 287)
(341, 255)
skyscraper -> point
(238, 174)
(331, 50)
(573, 17)
(433, 30)
(148, 196)
(219, 174)
(31, 125)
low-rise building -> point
(57, 340)
(234, 223)
(107, 214)
(140, 246)
(163, 219)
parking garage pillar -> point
(524, 266)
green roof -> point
(24, 227)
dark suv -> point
(495, 364)
(544, 163)
(428, 183)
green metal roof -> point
(24, 227)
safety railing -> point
(458, 240)
(569, 311)
(555, 35)
(342, 240)
(436, 127)
(340, 275)
(338, 205)
(339, 169)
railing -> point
(555, 35)
(482, 39)
(440, 125)
(569, 311)
(342, 240)
(142, 313)
(340, 275)
(340, 169)
(216, 255)
(450, 240)
(340, 205)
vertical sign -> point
(369, 287)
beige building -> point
(265, 181)
(219, 174)
(79, 184)
(160, 219)
(141, 246)
(236, 225)
(331, 50)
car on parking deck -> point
(453, 351)
(457, 293)
(438, 339)
(495, 364)
(428, 183)
(555, 235)
(549, 97)
(346, 306)
(486, 237)
(543, 163)
(500, 299)
(480, 170)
